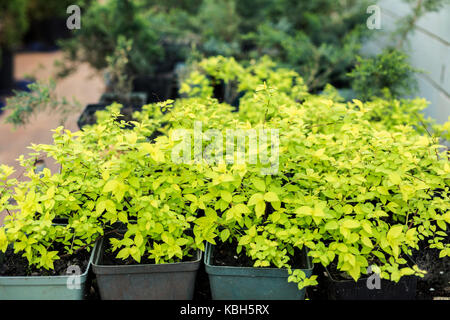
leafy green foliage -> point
(297, 35)
(386, 73)
(99, 36)
(13, 20)
(351, 188)
(41, 96)
(359, 184)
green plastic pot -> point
(45, 287)
(244, 283)
(171, 281)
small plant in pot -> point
(42, 256)
(367, 189)
(158, 252)
(378, 189)
(259, 249)
(151, 251)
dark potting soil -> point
(16, 265)
(436, 283)
(225, 254)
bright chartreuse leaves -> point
(352, 188)
(352, 175)
(110, 180)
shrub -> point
(386, 73)
(40, 96)
(352, 190)
(103, 24)
(108, 181)
(14, 23)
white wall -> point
(429, 49)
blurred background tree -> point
(13, 24)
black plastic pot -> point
(43, 35)
(172, 281)
(221, 91)
(159, 87)
(405, 289)
(87, 117)
(6, 71)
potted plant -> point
(378, 189)
(258, 251)
(13, 25)
(368, 188)
(40, 255)
(156, 253)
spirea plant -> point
(360, 184)
(350, 189)
(109, 181)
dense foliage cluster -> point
(298, 35)
(355, 183)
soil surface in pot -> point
(436, 283)
(14, 265)
(225, 254)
